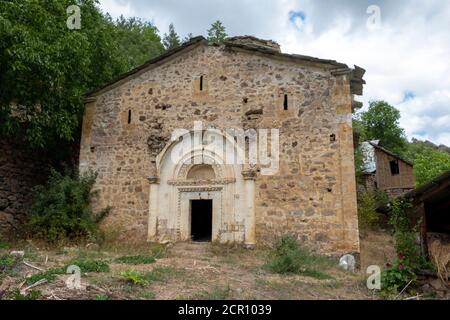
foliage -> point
(287, 257)
(31, 295)
(95, 266)
(430, 164)
(217, 33)
(368, 202)
(61, 208)
(217, 293)
(5, 244)
(101, 297)
(135, 277)
(45, 68)
(49, 275)
(171, 40)
(409, 257)
(162, 274)
(382, 122)
(140, 259)
(7, 262)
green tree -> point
(45, 68)
(171, 40)
(430, 164)
(188, 37)
(138, 41)
(217, 33)
(382, 122)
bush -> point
(95, 266)
(61, 209)
(135, 277)
(287, 257)
(368, 203)
(409, 258)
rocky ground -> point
(183, 271)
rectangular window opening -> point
(395, 169)
(129, 116)
(201, 83)
(286, 103)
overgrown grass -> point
(217, 293)
(140, 259)
(7, 262)
(288, 257)
(95, 266)
(49, 275)
(5, 244)
(17, 295)
(158, 274)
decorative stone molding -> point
(201, 189)
(249, 174)
(153, 180)
(201, 182)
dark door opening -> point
(201, 220)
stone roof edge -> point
(336, 68)
(194, 42)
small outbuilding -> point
(431, 207)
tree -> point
(217, 34)
(188, 37)
(382, 122)
(46, 68)
(430, 164)
(139, 41)
(171, 40)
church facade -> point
(233, 143)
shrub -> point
(61, 208)
(95, 266)
(288, 257)
(367, 205)
(409, 258)
(17, 295)
(7, 262)
(49, 275)
(135, 277)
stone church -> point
(230, 143)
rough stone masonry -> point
(244, 83)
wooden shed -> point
(431, 206)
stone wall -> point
(20, 171)
(313, 195)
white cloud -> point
(409, 53)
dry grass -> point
(440, 253)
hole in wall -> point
(333, 138)
(92, 149)
(286, 103)
(245, 100)
(129, 116)
(201, 83)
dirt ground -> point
(191, 271)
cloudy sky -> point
(403, 45)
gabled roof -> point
(356, 75)
(378, 147)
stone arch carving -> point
(201, 172)
(188, 172)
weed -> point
(49, 275)
(163, 274)
(95, 266)
(5, 244)
(32, 295)
(148, 295)
(135, 277)
(7, 262)
(218, 293)
(101, 297)
(288, 257)
(136, 259)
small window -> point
(333, 138)
(395, 169)
(129, 116)
(201, 83)
(286, 102)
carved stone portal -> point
(188, 172)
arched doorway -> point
(197, 195)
